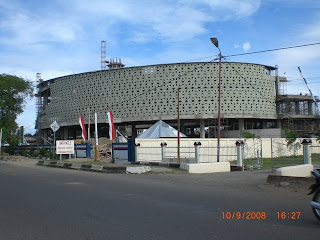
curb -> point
(83, 167)
(135, 168)
(160, 164)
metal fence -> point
(148, 154)
(286, 155)
(45, 151)
(201, 154)
(252, 154)
(209, 154)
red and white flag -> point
(112, 132)
(81, 122)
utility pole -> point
(219, 109)
(178, 109)
(214, 41)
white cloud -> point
(306, 57)
(165, 20)
(228, 9)
(246, 46)
(20, 27)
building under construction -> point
(251, 100)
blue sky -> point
(59, 37)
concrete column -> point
(239, 145)
(65, 133)
(136, 152)
(310, 112)
(163, 151)
(182, 127)
(192, 130)
(197, 151)
(241, 127)
(202, 131)
(264, 124)
(133, 130)
(297, 109)
(306, 151)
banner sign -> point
(65, 147)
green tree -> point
(291, 138)
(13, 94)
(247, 134)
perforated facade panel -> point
(150, 93)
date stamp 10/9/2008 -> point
(248, 215)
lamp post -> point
(214, 40)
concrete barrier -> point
(206, 167)
(97, 167)
(76, 166)
(295, 171)
(138, 170)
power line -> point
(261, 51)
(275, 49)
(246, 80)
(313, 79)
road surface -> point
(48, 203)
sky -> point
(58, 37)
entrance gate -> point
(124, 152)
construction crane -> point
(305, 81)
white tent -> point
(160, 130)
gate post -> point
(137, 145)
(196, 151)
(239, 145)
(163, 146)
(306, 151)
(88, 150)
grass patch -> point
(269, 163)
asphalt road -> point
(48, 203)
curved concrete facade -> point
(149, 93)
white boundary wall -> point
(150, 149)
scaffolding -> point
(103, 55)
(39, 108)
(115, 63)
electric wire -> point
(275, 49)
(260, 51)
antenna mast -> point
(103, 55)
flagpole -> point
(89, 125)
(96, 155)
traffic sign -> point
(54, 126)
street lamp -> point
(214, 40)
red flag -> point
(81, 122)
(112, 132)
